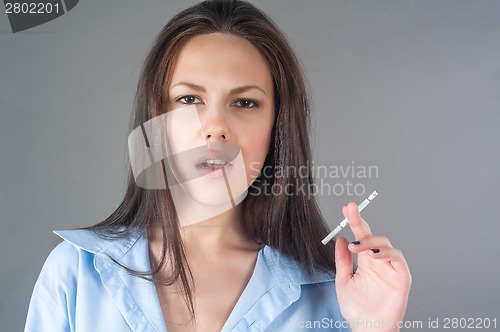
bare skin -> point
(222, 262)
(378, 290)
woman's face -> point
(222, 85)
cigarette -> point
(344, 222)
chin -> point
(214, 193)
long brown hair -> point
(291, 223)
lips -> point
(217, 155)
(207, 161)
(214, 161)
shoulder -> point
(62, 262)
(76, 255)
(71, 274)
(65, 258)
(55, 292)
(62, 266)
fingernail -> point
(375, 251)
(356, 243)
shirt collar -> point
(275, 275)
(135, 298)
(286, 269)
(282, 267)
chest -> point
(218, 284)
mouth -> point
(213, 164)
(216, 158)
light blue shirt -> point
(81, 289)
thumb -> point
(343, 261)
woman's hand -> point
(374, 298)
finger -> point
(358, 226)
(392, 255)
(343, 260)
(375, 241)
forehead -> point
(221, 59)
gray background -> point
(411, 87)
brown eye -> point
(188, 100)
(246, 103)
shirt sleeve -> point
(54, 293)
(44, 315)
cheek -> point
(254, 150)
(257, 132)
(257, 148)
(253, 136)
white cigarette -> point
(344, 222)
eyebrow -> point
(233, 91)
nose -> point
(217, 137)
(215, 127)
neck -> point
(218, 233)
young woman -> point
(255, 264)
